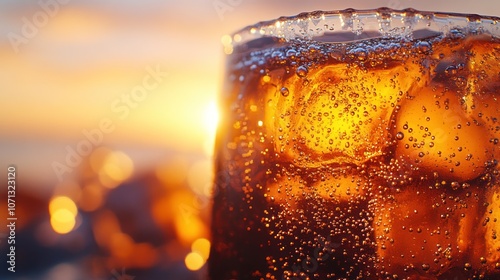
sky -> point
(149, 70)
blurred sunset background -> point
(108, 112)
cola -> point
(359, 153)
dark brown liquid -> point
(363, 160)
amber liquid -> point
(363, 160)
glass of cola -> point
(359, 144)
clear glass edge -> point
(383, 20)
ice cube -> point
(483, 86)
(491, 227)
(335, 113)
(437, 135)
(424, 230)
(331, 185)
(286, 191)
(483, 60)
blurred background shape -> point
(108, 113)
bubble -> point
(291, 53)
(424, 46)
(360, 53)
(284, 91)
(400, 135)
(302, 71)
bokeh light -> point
(63, 213)
(105, 225)
(202, 247)
(188, 225)
(62, 203)
(62, 221)
(194, 261)
(121, 245)
(174, 172)
(98, 157)
(116, 168)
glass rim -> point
(368, 23)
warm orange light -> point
(202, 247)
(211, 121)
(105, 226)
(98, 157)
(117, 167)
(174, 172)
(226, 41)
(200, 176)
(189, 226)
(194, 261)
(71, 25)
(92, 197)
(62, 221)
(211, 117)
(62, 202)
(166, 208)
(63, 213)
(160, 211)
(121, 245)
(145, 255)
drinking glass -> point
(359, 144)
